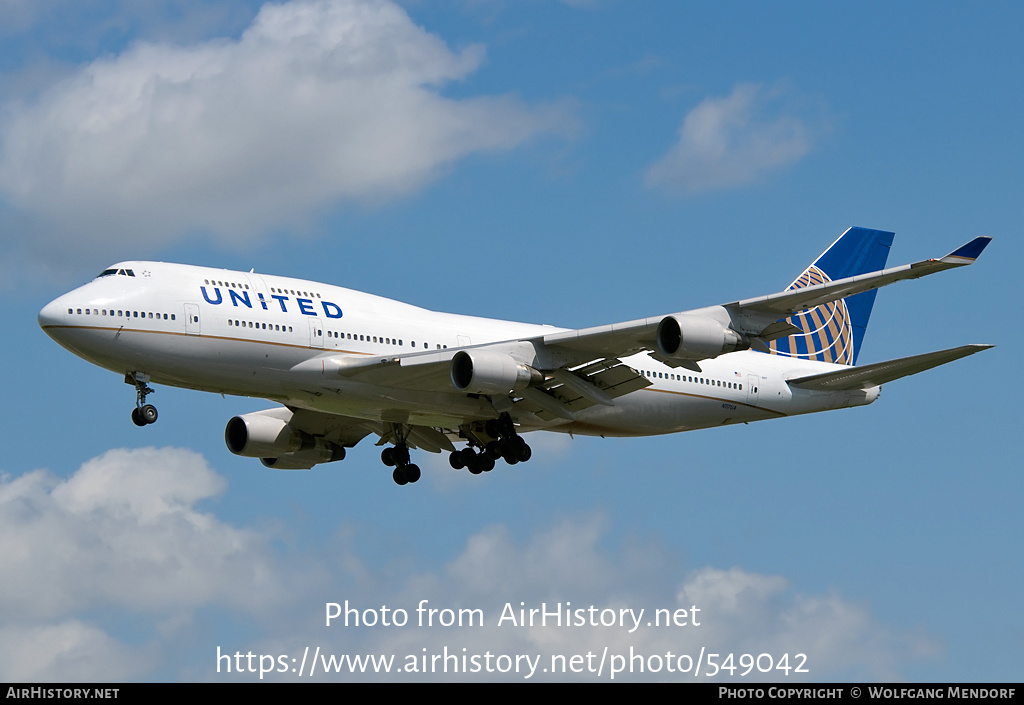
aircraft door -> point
(192, 319)
(316, 333)
(752, 384)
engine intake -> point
(268, 435)
(261, 434)
(685, 337)
(487, 372)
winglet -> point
(966, 254)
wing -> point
(558, 374)
(475, 383)
(793, 300)
(691, 336)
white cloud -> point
(70, 651)
(740, 612)
(317, 102)
(727, 142)
(122, 541)
(124, 530)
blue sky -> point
(572, 163)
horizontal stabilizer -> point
(868, 376)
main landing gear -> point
(398, 457)
(496, 439)
(507, 445)
(143, 414)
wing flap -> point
(559, 400)
(867, 376)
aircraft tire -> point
(399, 476)
(148, 414)
(524, 452)
(412, 473)
(137, 417)
(494, 449)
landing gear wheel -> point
(399, 476)
(387, 456)
(455, 460)
(144, 415)
(412, 473)
(148, 414)
(523, 451)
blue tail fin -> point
(834, 331)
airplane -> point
(343, 364)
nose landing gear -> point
(143, 414)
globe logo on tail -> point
(827, 332)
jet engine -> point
(269, 436)
(686, 337)
(490, 372)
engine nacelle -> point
(267, 435)
(489, 372)
(264, 433)
(686, 337)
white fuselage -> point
(244, 334)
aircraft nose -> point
(52, 315)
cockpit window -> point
(119, 272)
